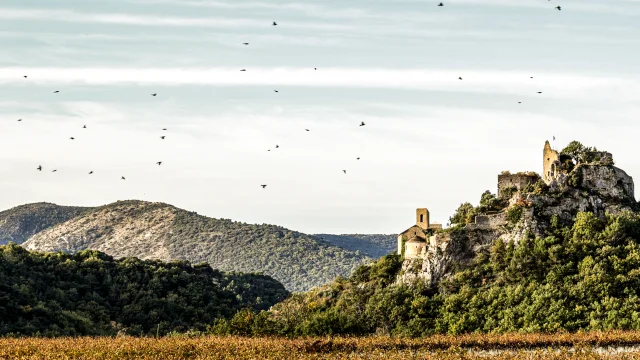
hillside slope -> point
(160, 231)
(90, 293)
(19, 223)
(372, 245)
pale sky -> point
(430, 140)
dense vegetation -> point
(20, 223)
(375, 245)
(584, 276)
(152, 230)
(90, 293)
(511, 346)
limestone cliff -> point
(597, 187)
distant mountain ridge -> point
(372, 245)
(20, 223)
(161, 231)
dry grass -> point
(512, 346)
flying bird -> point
(519, 102)
(39, 167)
(72, 138)
(357, 158)
(90, 172)
(554, 138)
(275, 23)
(315, 68)
(164, 129)
(441, 4)
(277, 146)
(159, 163)
(460, 78)
(344, 171)
(162, 137)
(539, 92)
(123, 178)
(307, 129)
(57, 91)
(54, 170)
(246, 43)
(243, 70)
(84, 126)
(263, 186)
(275, 90)
(558, 7)
(25, 76)
(19, 119)
(362, 123)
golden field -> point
(594, 345)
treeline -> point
(90, 293)
(584, 276)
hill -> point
(372, 245)
(20, 223)
(90, 293)
(561, 254)
(160, 231)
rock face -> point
(597, 187)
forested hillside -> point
(21, 222)
(372, 245)
(160, 231)
(585, 275)
(90, 293)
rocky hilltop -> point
(20, 223)
(159, 231)
(578, 179)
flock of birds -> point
(159, 163)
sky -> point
(430, 139)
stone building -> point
(508, 184)
(414, 241)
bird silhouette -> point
(263, 186)
(460, 78)
(39, 167)
(25, 76)
(519, 102)
(539, 92)
(154, 94)
(84, 126)
(362, 123)
(19, 119)
(441, 4)
(57, 91)
(559, 8)
(159, 163)
(357, 158)
(315, 68)
(306, 129)
(275, 90)
(277, 146)
(246, 43)
(123, 178)
(90, 172)
(54, 170)
(162, 137)
(72, 138)
(344, 171)
(243, 70)
(275, 23)
(165, 129)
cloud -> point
(560, 85)
(150, 20)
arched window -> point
(421, 217)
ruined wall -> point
(551, 163)
(415, 249)
(518, 181)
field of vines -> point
(594, 345)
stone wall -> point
(551, 163)
(517, 182)
(415, 249)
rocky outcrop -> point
(597, 187)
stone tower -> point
(422, 218)
(551, 163)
